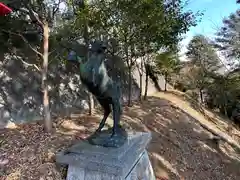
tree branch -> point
(50, 53)
(25, 40)
(56, 8)
(34, 16)
(28, 64)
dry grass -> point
(180, 148)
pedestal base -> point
(128, 162)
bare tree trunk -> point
(165, 83)
(47, 115)
(225, 111)
(1, 56)
(90, 96)
(140, 93)
(129, 66)
(140, 71)
(91, 103)
(201, 95)
(147, 77)
(129, 86)
(146, 86)
(141, 83)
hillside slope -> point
(181, 148)
(216, 124)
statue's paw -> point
(98, 131)
(113, 135)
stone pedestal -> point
(129, 162)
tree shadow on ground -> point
(180, 147)
(196, 109)
(26, 150)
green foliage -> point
(228, 38)
(222, 90)
(204, 61)
(202, 54)
(167, 63)
(134, 29)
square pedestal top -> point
(116, 161)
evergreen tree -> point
(204, 60)
(228, 39)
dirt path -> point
(180, 148)
(205, 117)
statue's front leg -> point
(93, 77)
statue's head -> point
(98, 47)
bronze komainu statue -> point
(94, 76)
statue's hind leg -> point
(117, 112)
(107, 109)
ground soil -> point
(181, 148)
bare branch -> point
(25, 40)
(53, 59)
(27, 64)
(56, 8)
(33, 15)
(50, 53)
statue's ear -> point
(104, 45)
(72, 56)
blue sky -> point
(214, 11)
